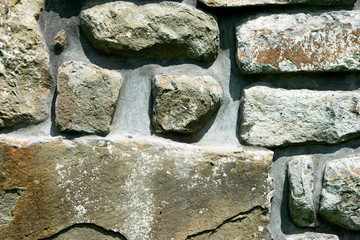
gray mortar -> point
(133, 113)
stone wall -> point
(220, 120)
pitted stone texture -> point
(24, 65)
(301, 196)
(340, 196)
(161, 30)
(313, 236)
(142, 189)
(300, 42)
(183, 104)
(87, 97)
(277, 117)
(243, 3)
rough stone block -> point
(301, 196)
(24, 65)
(139, 189)
(244, 3)
(277, 117)
(60, 42)
(161, 30)
(183, 104)
(300, 42)
(87, 97)
(340, 196)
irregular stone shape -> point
(340, 196)
(143, 189)
(7, 203)
(24, 65)
(244, 3)
(300, 42)
(87, 97)
(161, 30)
(312, 236)
(86, 232)
(60, 42)
(277, 117)
(183, 104)
(301, 196)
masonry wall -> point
(179, 120)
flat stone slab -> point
(300, 42)
(184, 104)
(133, 188)
(24, 66)
(340, 196)
(303, 211)
(244, 3)
(87, 97)
(156, 30)
(278, 117)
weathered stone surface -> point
(340, 196)
(300, 42)
(87, 97)
(275, 117)
(24, 65)
(301, 196)
(183, 104)
(313, 236)
(144, 190)
(161, 30)
(243, 3)
(7, 203)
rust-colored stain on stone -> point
(355, 170)
(299, 43)
(19, 168)
(271, 56)
(309, 51)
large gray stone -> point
(244, 3)
(24, 65)
(301, 196)
(183, 104)
(340, 196)
(277, 117)
(161, 30)
(87, 97)
(312, 236)
(300, 42)
(140, 189)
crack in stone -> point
(236, 218)
(85, 229)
